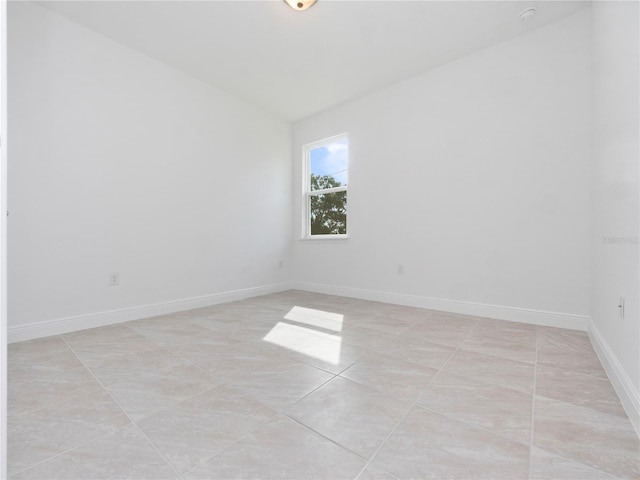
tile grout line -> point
(225, 382)
(402, 418)
(186, 360)
(282, 413)
(65, 452)
(325, 437)
(40, 409)
(316, 388)
(83, 366)
(414, 403)
(278, 413)
(236, 441)
(124, 412)
(500, 435)
(243, 435)
(228, 383)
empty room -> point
(329, 239)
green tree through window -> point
(328, 211)
(325, 180)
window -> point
(325, 176)
(325, 188)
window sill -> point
(324, 238)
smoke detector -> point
(527, 14)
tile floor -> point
(298, 385)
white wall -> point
(615, 196)
(475, 176)
(3, 240)
(120, 164)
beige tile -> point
(123, 454)
(521, 352)
(196, 313)
(497, 409)
(391, 323)
(568, 349)
(353, 416)
(371, 472)
(291, 336)
(282, 385)
(516, 331)
(229, 361)
(515, 341)
(33, 438)
(202, 345)
(219, 322)
(195, 430)
(166, 372)
(490, 369)
(158, 322)
(33, 392)
(402, 312)
(169, 333)
(328, 353)
(392, 376)
(427, 445)
(283, 450)
(110, 334)
(290, 298)
(312, 318)
(96, 345)
(602, 441)
(581, 363)
(363, 337)
(357, 318)
(369, 308)
(453, 320)
(135, 365)
(343, 305)
(254, 331)
(40, 356)
(145, 395)
(547, 466)
(585, 390)
(248, 309)
(418, 351)
(563, 340)
(442, 331)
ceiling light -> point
(527, 14)
(300, 4)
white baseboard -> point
(523, 315)
(81, 322)
(70, 324)
(628, 394)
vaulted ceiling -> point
(295, 64)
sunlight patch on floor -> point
(316, 318)
(309, 341)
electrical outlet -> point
(400, 269)
(621, 306)
(114, 279)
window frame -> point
(307, 193)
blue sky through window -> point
(331, 159)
